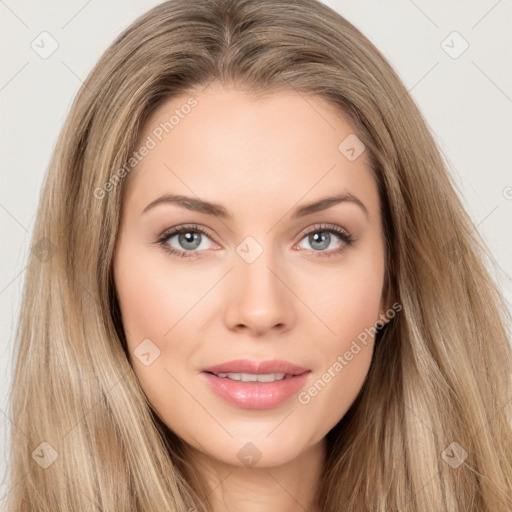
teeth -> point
(251, 377)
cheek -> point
(161, 310)
(350, 309)
(152, 301)
(154, 309)
(348, 298)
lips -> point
(257, 367)
(223, 379)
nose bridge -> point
(260, 299)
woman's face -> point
(276, 271)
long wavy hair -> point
(439, 390)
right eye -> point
(188, 237)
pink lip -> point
(256, 395)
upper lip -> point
(257, 367)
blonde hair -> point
(441, 372)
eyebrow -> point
(217, 210)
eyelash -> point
(320, 228)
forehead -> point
(223, 144)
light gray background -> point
(467, 102)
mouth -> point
(250, 367)
(256, 385)
(252, 377)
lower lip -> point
(256, 395)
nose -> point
(259, 298)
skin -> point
(260, 159)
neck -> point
(287, 488)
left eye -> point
(320, 237)
(321, 240)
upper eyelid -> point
(325, 227)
